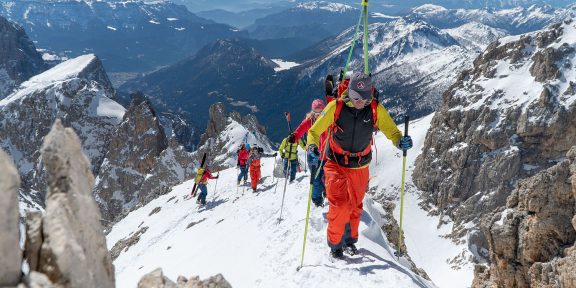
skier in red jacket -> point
(314, 162)
(243, 154)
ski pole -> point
(310, 200)
(289, 166)
(404, 153)
(237, 181)
(215, 186)
(273, 168)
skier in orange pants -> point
(254, 163)
(350, 121)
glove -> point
(275, 153)
(405, 143)
(314, 150)
(329, 85)
(313, 158)
(291, 138)
(217, 176)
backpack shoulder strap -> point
(374, 106)
(339, 104)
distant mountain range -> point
(413, 61)
(125, 35)
(386, 6)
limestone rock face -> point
(156, 279)
(19, 59)
(494, 156)
(34, 239)
(504, 120)
(76, 91)
(140, 163)
(11, 258)
(73, 252)
(223, 134)
(532, 241)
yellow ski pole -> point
(404, 153)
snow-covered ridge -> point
(284, 65)
(502, 90)
(476, 35)
(323, 5)
(64, 71)
(428, 9)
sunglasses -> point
(358, 99)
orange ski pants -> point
(254, 173)
(345, 189)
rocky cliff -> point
(18, 57)
(532, 239)
(65, 245)
(140, 162)
(225, 132)
(508, 118)
(76, 91)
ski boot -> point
(351, 249)
(337, 253)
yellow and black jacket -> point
(354, 132)
(286, 148)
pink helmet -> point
(317, 104)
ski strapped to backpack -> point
(199, 175)
(334, 128)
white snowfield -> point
(238, 234)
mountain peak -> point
(323, 5)
(428, 9)
(85, 66)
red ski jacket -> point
(205, 176)
(243, 155)
(304, 127)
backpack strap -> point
(374, 106)
(339, 104)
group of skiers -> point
(338, 151)
(249, 159)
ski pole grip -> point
(406, 120)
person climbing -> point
(289, 153)
(202, 185)
(351, 121)
(254, 163)
(314, 163)
(243, 154)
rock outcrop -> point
(9, 225)
(140, 163)
(156, 279)
(225, 132)
(19, 59)
(76, 91)
(533, 240)
(502, 121)
(65, 245)
(494, 159)
(73, 251)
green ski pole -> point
(404, 153)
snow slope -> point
(238, 235)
